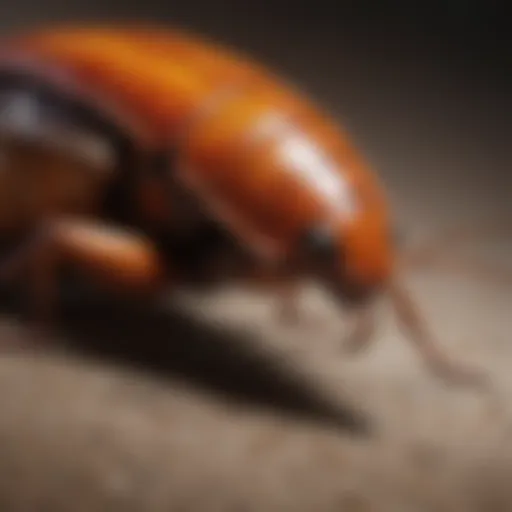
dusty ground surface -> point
(144, 430)
(149, 434)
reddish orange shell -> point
(230, 119)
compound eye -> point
(319, 244)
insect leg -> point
(286, 285)
(117, 259)
(363, 331)
(410, 318)
(289, 309)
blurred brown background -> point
(425, 91)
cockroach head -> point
(322, 253)
(319, 246)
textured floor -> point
(89, 436)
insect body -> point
(111, 132)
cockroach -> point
(145, 157)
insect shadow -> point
(170, 343)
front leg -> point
(363, 330)
(288, 288)
(290, 310)
(116, 259)
(270, 277)
(435, 358)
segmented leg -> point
(116, 259)
(363, 331)
(411, 320)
